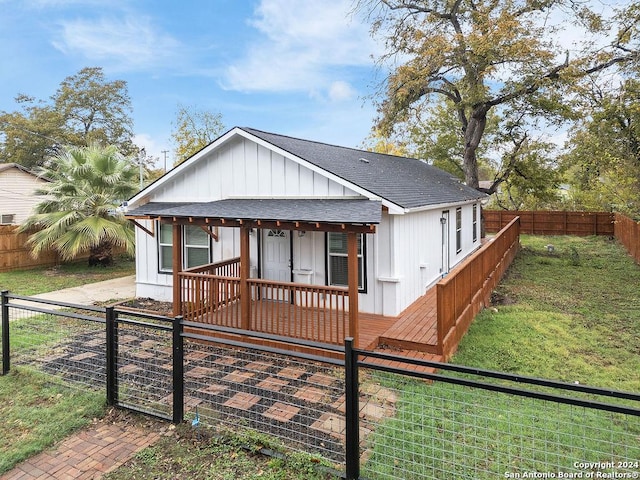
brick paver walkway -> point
(89, 454)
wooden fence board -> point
(552, 222)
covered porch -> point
(228, 293)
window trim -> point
(168, 270)
(11, 219)
(363, 255)
(475, 222)
(161, 245)
(185, 246)
(458, 229)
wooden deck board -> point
(414, 329)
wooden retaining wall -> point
(467, 288)
(552, 222)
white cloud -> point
(124, 43)
(340, 91)
(303, 46)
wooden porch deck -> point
(412, 333)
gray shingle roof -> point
(290, 210)
(407, 182)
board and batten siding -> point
(417, 250)
(243, 168)
(17, 193)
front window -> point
(165, 247)
(337, 260)
(196, 246)
(196, 249)
(458, 230)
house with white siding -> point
(17, 193)
(258, 218)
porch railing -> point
(226, 268)
(466, 290)
(308, 312)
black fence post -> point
(178, 371)
(352, 419)
(5, 333)
(112, 353)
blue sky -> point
(296, 67)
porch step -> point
(408, 345)
(409, 354)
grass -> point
(37, 411)
(201, 455)
(35, 281)
(570, 314)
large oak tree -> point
(506, 56)
(86, 108)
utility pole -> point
(141, 157)
(164, 152)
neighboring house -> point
(17, 197)
(301, 212)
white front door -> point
(276, 259)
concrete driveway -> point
(112, 290)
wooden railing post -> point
(245, 292)
(352, 272)
(177, 268)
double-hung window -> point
(196, 248)
(337, 260)
(165, 247)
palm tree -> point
(80, 212)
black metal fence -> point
(369, 415)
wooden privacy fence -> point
(15, 254)
(552, 222)
(467, 288)
(627, 231)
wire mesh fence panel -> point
(58, 344)
(144, 364)
(298, 402)
(441, 430)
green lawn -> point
(36, 411)
(39, 280)
(571, 314)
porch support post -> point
(177, 268)
(245, 292)
(352, 271)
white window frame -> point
(163, 268)
(362, 277)
(475, 222)
(7, 219)
(458, 229)
(185, 247)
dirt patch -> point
(149, 305)
(500, 298)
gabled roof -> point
(406, 183)
(8, 166)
